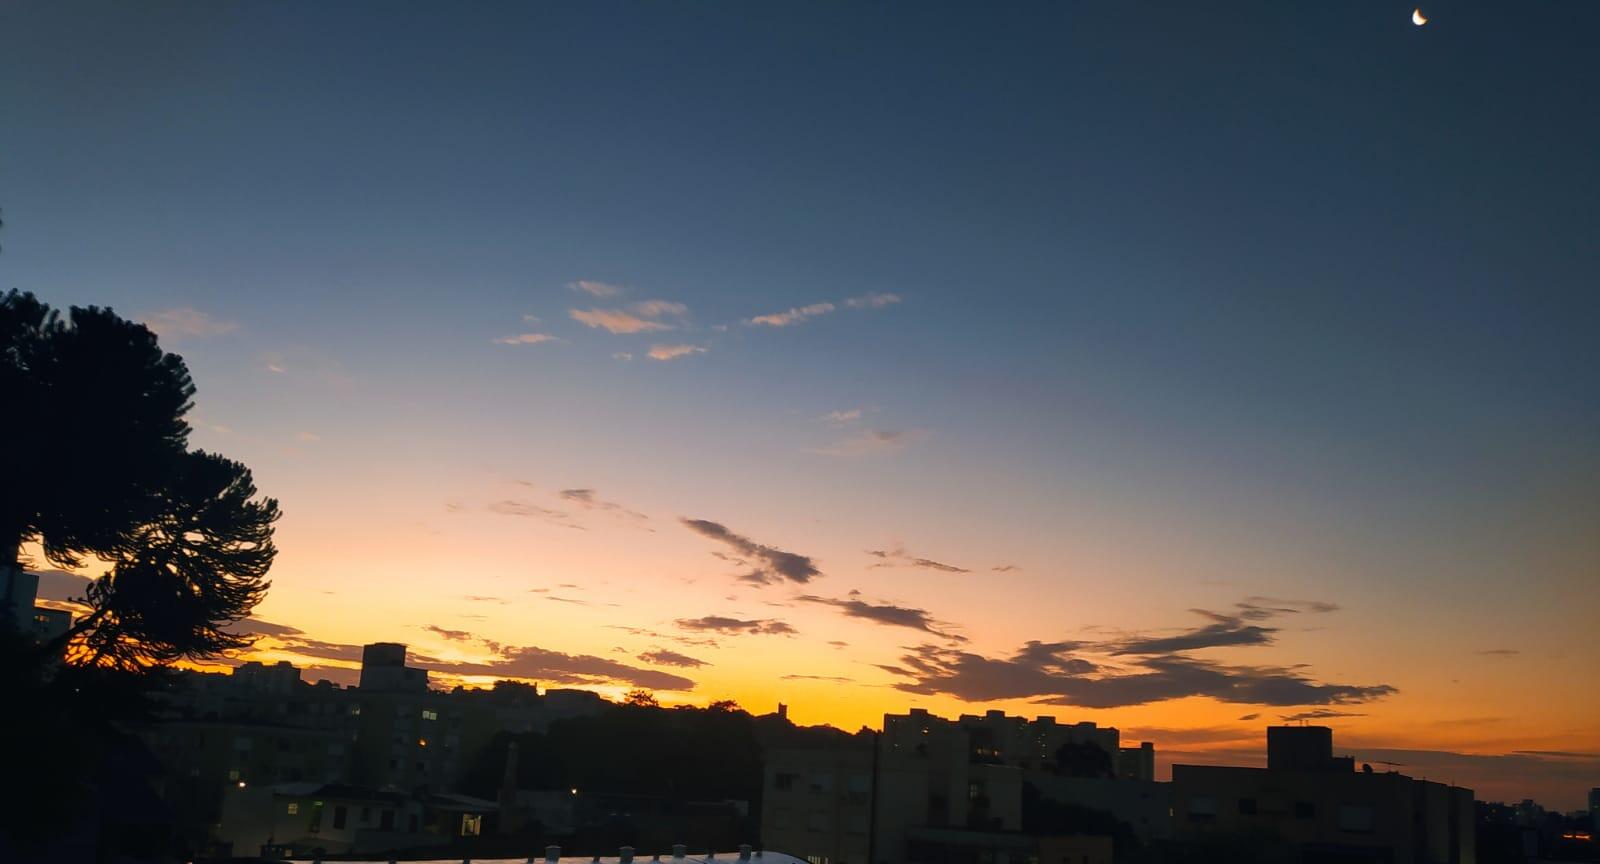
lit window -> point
(294, 808)
(471, 825)
(429, 715)
(233, 774)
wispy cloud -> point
(525, 339)
(1244, 626)
(187, 322)
(737, 626)
(899, 557)
(1499, 652)
(801, 314)
(1049, 673)
(872, 441)
(1317, 714)
(514, 507)
(594, 288)
(452, 635)
(1138, 669)
(841, 418)
(887, 614)
(872, 300)
(646, 316)
(556, 667)
(1005, 568)
(1223, 631)
(663, 657)
(769, 564)
(673, 352)
(795, 315)
(588, 499)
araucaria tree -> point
(95, 463)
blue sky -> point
(1285, 298)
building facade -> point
(1309, 806)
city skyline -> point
(914, 358)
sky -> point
(1182, 368)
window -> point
(784, 781)
(1305, 810)
(855, 820)
(339, 814)
(471, 825)
(366, 815)
(858, 787)
(241, 744)
(821, 782)
(233, 774)
(1356, 818)
(1247, 806)
(429, 715)
(386, 820)
(819, 821)
(1202, 808)
(294, 808)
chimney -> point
(678, 851)
(552, 853)
(625, 855)
(744, 851)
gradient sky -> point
(1250, 354)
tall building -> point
(19, 609)
(1304, 748)
(1308, 805)
(817, 802)
(955, 790)
(384, 669)
(18, 590)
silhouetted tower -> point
(383, 667)
(1303, 748)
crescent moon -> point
(1418, 18)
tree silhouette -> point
(102, 468)
(196, 567)
(1083, 759)
(640, 698)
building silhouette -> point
(1308, 805)
(931, 789)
